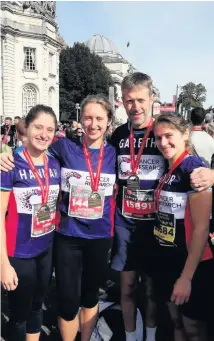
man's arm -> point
(6, 161)
(202, 178)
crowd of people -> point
(12, 134)
(139, 201)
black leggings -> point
(81, 267)
(26, 300)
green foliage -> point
(81, 73)
(192, 95)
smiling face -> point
(40, 132)
(138, 104)
(170, 141)
(94, 120)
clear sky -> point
(173, 42)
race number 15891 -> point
(139, 205)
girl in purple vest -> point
(84, 236)
(29, 194)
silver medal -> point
(133, 182)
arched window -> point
(29, 98)
(51, 97)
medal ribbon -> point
(95, 179)
(166, 176)
(44, 189)
(135, 163)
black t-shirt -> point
(150, 170)
(10, 134)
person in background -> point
(8, 132)
(69, 133)
(29, 194)
(207, 121)
(74, 125)
(208, 118)
(209, 124)
(16, 119)
(61, 130)
(210, 129)
(202, 143)
(79, 132)
(21, 136)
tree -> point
(81, 73)
(192, 95)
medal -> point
(43, 213)
(133, 182)
(94, 200)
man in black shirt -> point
(7, 132)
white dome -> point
(100, 44)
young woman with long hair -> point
(184, 276)
(29, 194)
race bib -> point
(165, 228)
(78, 203)
(43, 219)
(138, 204)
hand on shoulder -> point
(202, 178)
(6, 161)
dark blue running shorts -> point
(134, 248)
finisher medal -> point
(43, 213)
(94, 200)
(133, 182)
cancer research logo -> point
(124, 166)
(69, 176)
(27, 197)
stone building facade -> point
(30, 48)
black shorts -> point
(201, 301)
(134, 248)
(81, 268)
